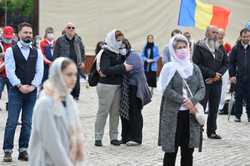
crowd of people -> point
(43, 77)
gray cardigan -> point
(172, 100)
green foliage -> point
(25, 7)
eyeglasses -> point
(71, 28)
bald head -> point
(70, 30)
(212, 32)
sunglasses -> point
(71, 28)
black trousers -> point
(212, 97)
(76, 91)
(242, 92)
(182, 140)
(132, 128)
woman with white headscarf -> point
(112, 68)
(178, 127)
(56, 137)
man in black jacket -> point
(70, 45)
(212, 60)
(239, 73)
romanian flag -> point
(194, 13)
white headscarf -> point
(56, 87)
(183, 66)
(111, 43)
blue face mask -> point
(7, 41)
(26, 42)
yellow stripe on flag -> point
(203, 14)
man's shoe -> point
(214, 136)
(7, 157)
(23, 156)
(237, 119)
(98, 143)
(116, 142)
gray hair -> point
(209, 28)
(179, 40)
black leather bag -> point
(93, 75)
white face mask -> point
(50, 36)
(123, 51)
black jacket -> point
(62, 48)
(240, 62)
(111, 65)
(209, 65)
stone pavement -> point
(232, 150)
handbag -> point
(93, 77)
(199, 114)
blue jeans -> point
(17, 102)
(3, 81)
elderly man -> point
(213, 63)
(70, 45)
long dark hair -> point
(99, 46)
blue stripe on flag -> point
(187, 13)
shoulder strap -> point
(98, 59)
(188, 88)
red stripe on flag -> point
(220, 17)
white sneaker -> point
(132, 143)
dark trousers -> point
(76, 91)
(182, 140)
(242, 92)
(212, 97)
(132, 128)
(19, 102)
(4, 81)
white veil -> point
(183, 66)
(56, 87)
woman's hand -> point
(188, 104)
(193, 110)
(128, 67)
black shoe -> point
(237, 119)
(7, 157)
(214, 136)
(23, 156)
(116, 142)
(6, 106)
(98, 143)
(248, 120)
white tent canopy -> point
(136, 18)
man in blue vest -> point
(24, 68)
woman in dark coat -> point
(134, 95)
(178, 127)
